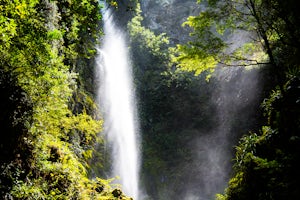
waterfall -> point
(116, 96)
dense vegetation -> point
(267, 162)
(48, 125)
(173, 114)
(178, 111)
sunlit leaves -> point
(246, 147)
(272, 40)
(196, 62)
(195, 58)
(145, 37)
(203, 52)
(113, 4)
(7, 30)
(21, 9)
(40, 42)
(199, 23)
(54, 34)
(211, 35)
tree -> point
(50, 134)
(265, 166)
(271, 28)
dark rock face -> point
(167, 16)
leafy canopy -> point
(236, 33)
(42, 43)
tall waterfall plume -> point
(117, 99)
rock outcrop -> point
(167, 16)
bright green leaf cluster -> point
(145, 37)
(41, 43)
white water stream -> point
(117, 101)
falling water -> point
(117, 99)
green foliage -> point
(54, 35)
(265, 164)
(191, 57)
(270, 30)
(205, 49)
(169, 111)
(41, 44)
(145, 38)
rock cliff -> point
(167, 16)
